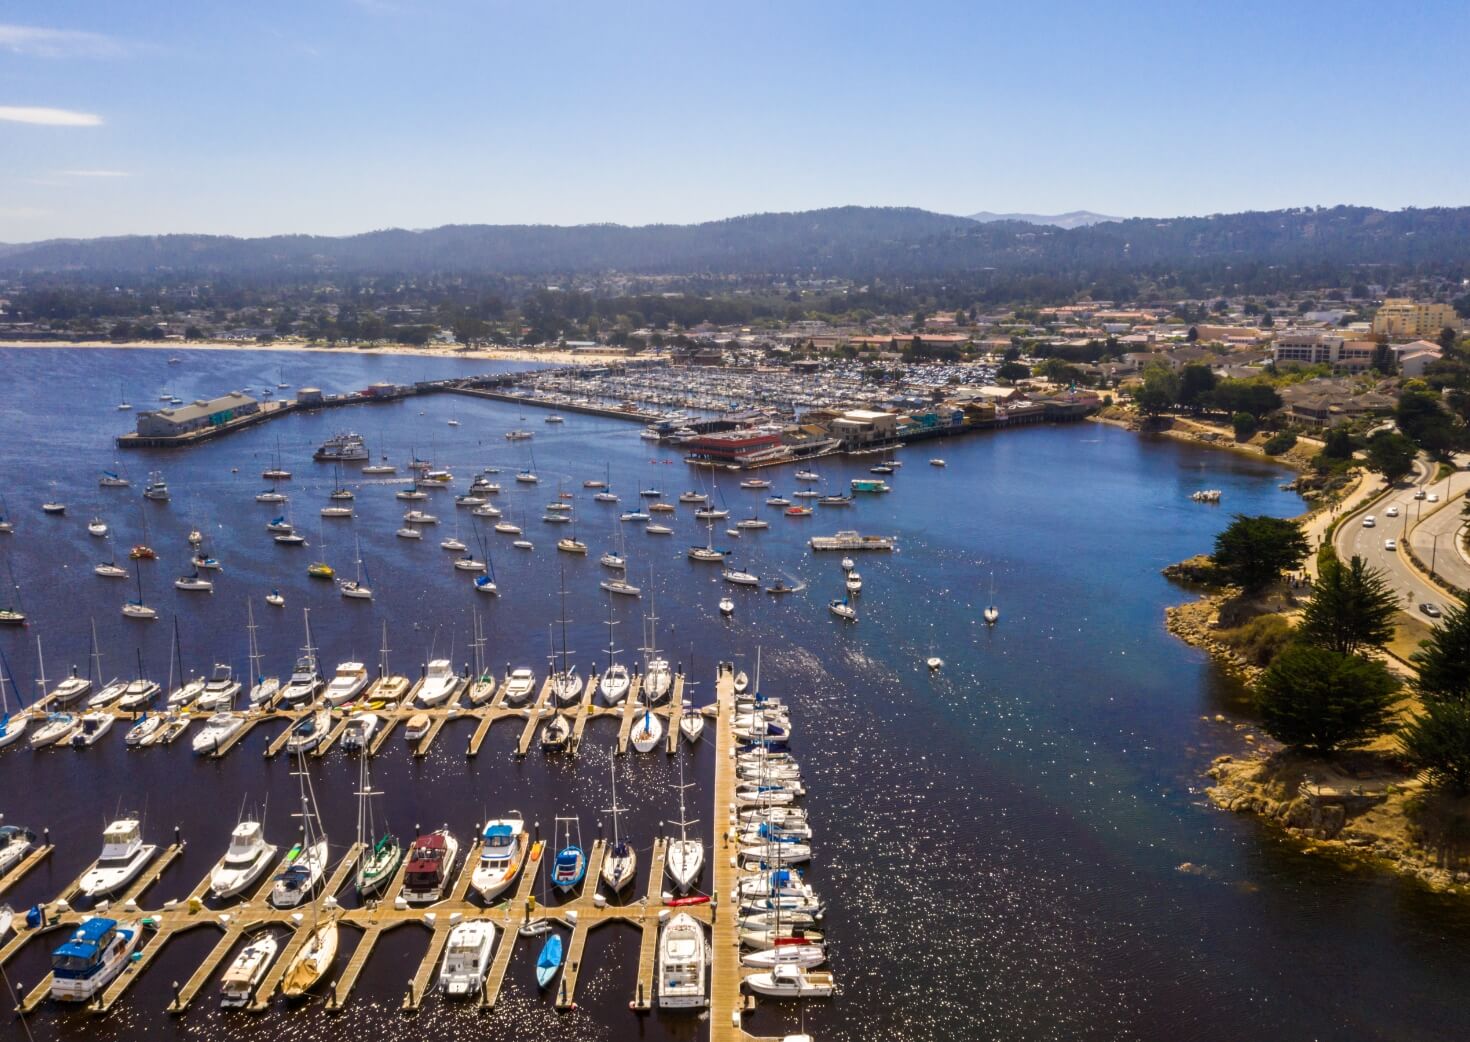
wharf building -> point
(196, 416)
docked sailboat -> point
(381, 851)
(248, 858)
(684, 857)
(306, 679)
(620, 859)
(647, 732)
(566, 683)
(263, 689)
(306, 862)
(310, 731)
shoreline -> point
(513, 354)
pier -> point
(584, 912)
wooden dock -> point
(30, 861)
(582, 913)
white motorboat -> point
(92, 957)
(727, 606)
(247, 858)
(217, 730)
(502, 852)
(306, 865)
(346, 684)
(647, 732)
(467, 958)
(440, 684)
(848, 564)
(246, 971)
(417, 726)
(854, 582)
(221, 690)
(792, 982)
(124, 855)
(786, 955)
(15, 843)
(310, 731)
(92, 726)
(519, 684)
(70, 689)
(683, 961)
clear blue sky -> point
(339, 116)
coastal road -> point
(1354, 540)
(1435, 535)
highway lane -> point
(1434, 537)
(1354, 539)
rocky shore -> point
(1362, 806)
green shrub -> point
(1260, 640)
(1245, 425)
(1279, 443)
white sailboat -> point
(566, 684)
(615, 680)
(620, 860)
(647, 732)
(992, 613)
(356, 589)
(307, 860)
(262, 688)
(684, 857)
(658, 678)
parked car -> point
(1432, 610)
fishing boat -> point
(247, 858)
(381, 851)
(358, 734)
(430, 867)
(791, 982)
(346, 684)
(647, 732)
(467, 958)
(570, 865)
(549, 961)
(620, 860)
(157, 488)
(684, 857)
(241, 978)
(683, 961)
(440, 684)
(92, 957)
(124, 855)
(502, 851)
(91, 727)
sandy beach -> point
(498, 354)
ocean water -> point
(999, 843)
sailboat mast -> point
(96, 654)
(41, 664)
(563, 621)
(253, 651)
(383, 653)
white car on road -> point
(1389, 544)
(1392, 511)
(1369, 521)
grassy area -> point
(1407, 634)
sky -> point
(342, 116)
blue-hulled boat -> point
(550, 959)
(92, 956)
(569, 868)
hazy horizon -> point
(356, 115)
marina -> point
(1027, 746)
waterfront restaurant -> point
(736, 447)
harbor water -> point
(1000, 843)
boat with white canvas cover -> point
(785, 955)
(124, 855)
(238, 983)
(467, 958)
(683, 961)
(247, 858)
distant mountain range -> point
(851, 241)
(1072, 219)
